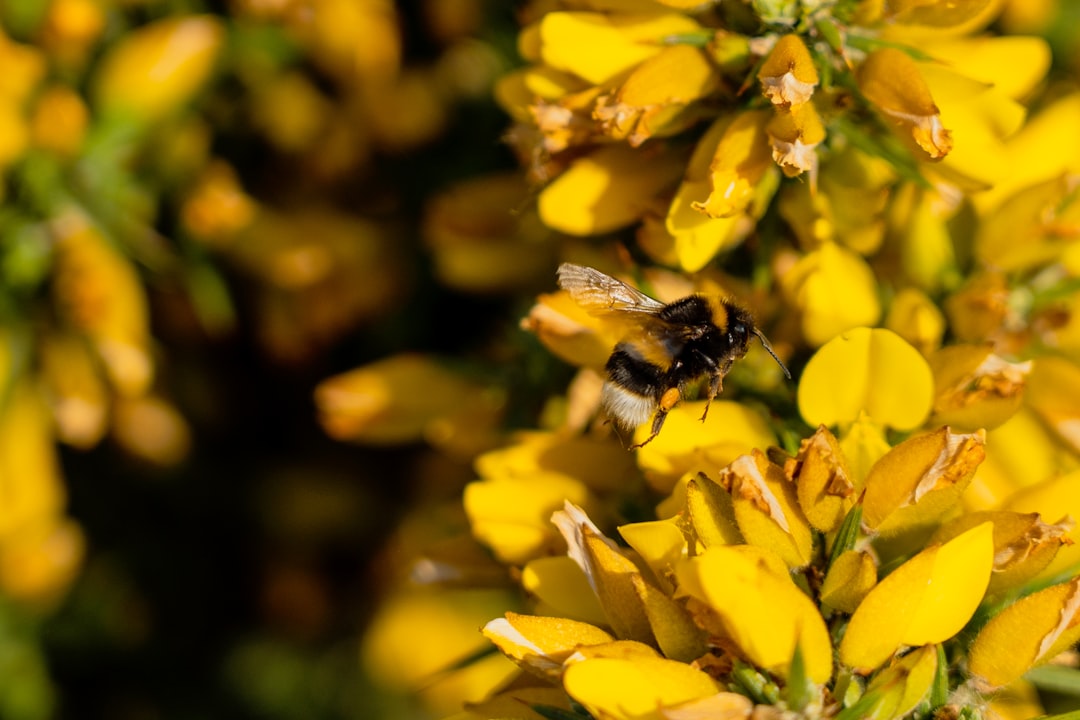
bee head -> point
(741, 327)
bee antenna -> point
(765, 344)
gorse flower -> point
(683, 118)
(822, 583)
(895, 538)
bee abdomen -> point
(631, 394)
(625, 408)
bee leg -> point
(668, 400)
(716, 384)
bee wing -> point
(599, 293)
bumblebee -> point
(671, 346)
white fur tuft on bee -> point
(672, 346)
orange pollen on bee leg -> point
(670, 399)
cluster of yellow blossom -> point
(896, 539)
(845, 580)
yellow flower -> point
(795, 134)
(835, 291)
(788, 75)
(914, 316)
(866, 371)
(920, 480)
(768, 618)
(974, 388)
(825, 485)
(892, 81)
(418, 638)
(1024, 545)
(766, 508)
(217, 207)
(635, 688)
(606, 190)
(406, 398)
(928, 599)
(159, 67)
(653, 100)
(741, 161)
(101, 295)
(1029, 632)
(597, 47)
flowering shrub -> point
(895, 538)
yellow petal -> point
(652, 99)
(928, 599)
(742, 159)
(660, 543)
(156, 69)
(825, 486)
(849, 579)
(766, 508)
(1054, 394)
(699, 238)
(1015, 65)
(795, 134)
(863, 444)
(1023, 544)
(892, 81)
(768, 615)
(711, 513)
(902, 685)
(541, 644)
(1029, 632)
(100, 293)
(916, 318)
(518, 89)
(1056, 500)
(1020, 453)
(1044, 149)
(611, 574)
(956, 16)
(376, 403)
(920, 480)
(870, 371)
(926, 245)
(570, 332)
(561, 590)
(676, 634)
(834, 289)
(31, 484)
(638, 689)
(788, 75)
(601, 464)
(721, 706)
(606, 190)
(981, 118)
(974, 388)
(1038, 213)
(512, 515)
(418, 639)
(597, 47)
